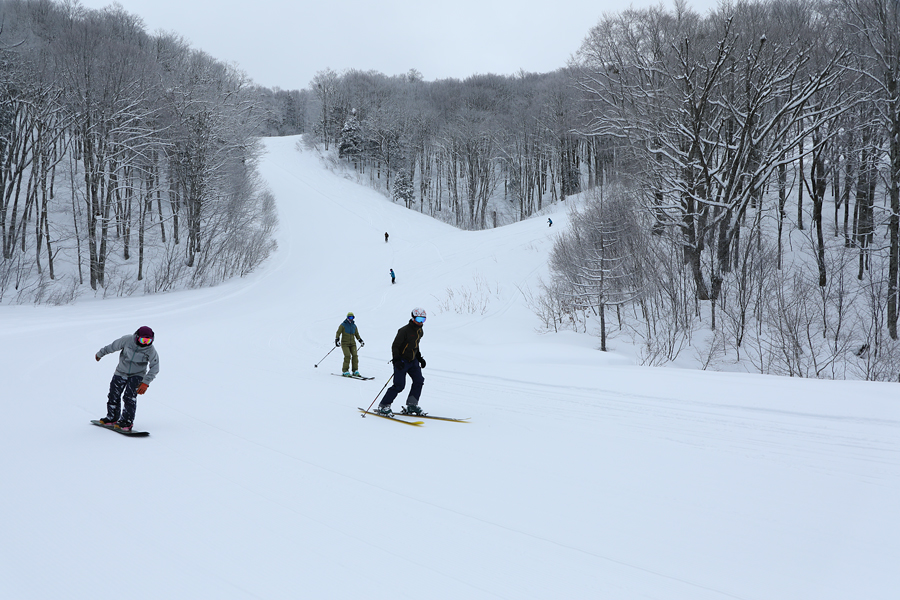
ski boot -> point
(384, 411)
(411, 409)
(356, 374)
(346, 373)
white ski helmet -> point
(418, 312)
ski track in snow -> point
(438, 507)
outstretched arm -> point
(114, 347)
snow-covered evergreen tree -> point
(404, 191)
(351, 138)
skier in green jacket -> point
(345, 339)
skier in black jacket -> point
(407, 360)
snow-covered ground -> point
(579, 475)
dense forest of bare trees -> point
(481, 152)
(127, 161)
(732, 132)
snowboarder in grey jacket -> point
(138, 366)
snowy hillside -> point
(579, 476)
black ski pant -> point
(401, 370)
(115, 398)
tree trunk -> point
(602, 327)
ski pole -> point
(378, 394)
(324, 357)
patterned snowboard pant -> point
(113, 402)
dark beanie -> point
(144, 332)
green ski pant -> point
(350, 353)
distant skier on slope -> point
(393, 277)
(138, 366)
(385, 237)
(345, 339)
(407, 360)
(549, 222)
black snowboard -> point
(112, 427)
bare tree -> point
(877, 24)
(324, 87)
(711, 110)
(598, 257)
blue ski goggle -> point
(350, 318)
(420, 319)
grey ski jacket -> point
(133, 359)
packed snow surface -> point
(580, 475)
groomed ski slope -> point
(580, 475)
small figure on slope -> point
(385, 237)
(138, 366)
(549, 222)
(345, 339)
(393, 277)
(407, 360)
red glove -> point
(97, 356)
(142, 388)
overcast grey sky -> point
(284, 43)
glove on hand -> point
(361, 343)
(97, 356)
(421, 362)
(142, 388)
(337, 342)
